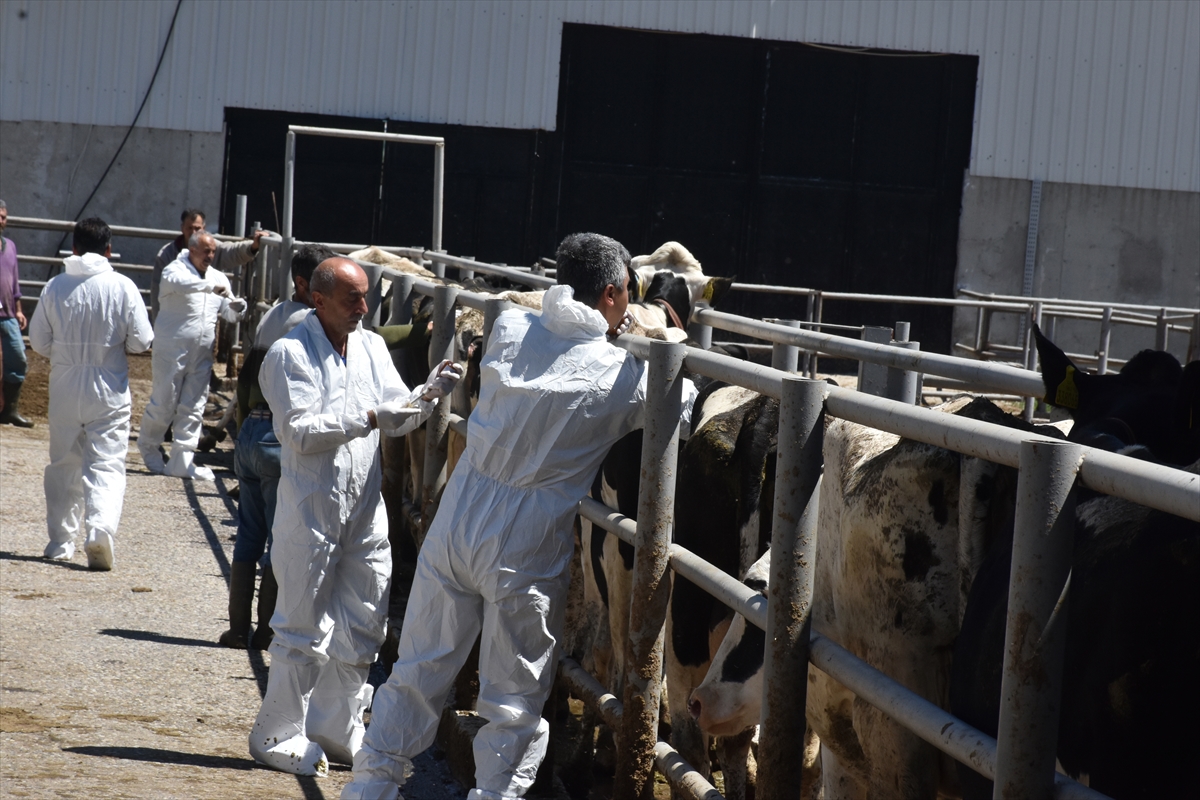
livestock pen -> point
(1021, 759)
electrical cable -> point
(162, 54)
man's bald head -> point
(339, 293)
(202, 250)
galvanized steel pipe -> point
(651, 580)
(789, 607)
(1036, 633)
(441, 347)
(402, 288)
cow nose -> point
(694, 707)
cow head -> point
(1151, 402)
(729, 699)
(674, 257)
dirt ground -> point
(112, 684)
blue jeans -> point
(256, 462)
(14, 350)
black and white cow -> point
(902, 527)
(1130, 693)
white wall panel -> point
(1077, 91)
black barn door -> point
(776, 162)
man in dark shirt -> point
(12, 322)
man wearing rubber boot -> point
(330, 386)
(12, 322)
(555, 395)
(256, 462)
(192, 296)
(88, 317)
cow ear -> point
(1059, 373)
(716, 289)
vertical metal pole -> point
(1035, 318)
(1161, 330)
(239, 218)
(465, 274)
(651, 579)
(818, 312)
(491, 309)
(789, 605)
(439, 170)
(1194, 340)
(698, 332)
(1031, 689)
(264, 270)
(902, 384)
(786, 356)
(374, 293)
(872, 378)
(978, 330)
(986, 333)
(289, 191)
(809, 311)
(441, 347)
(1051, 326)
(437, 267)
(1105, 339)
(402, 287)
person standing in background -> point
(229, 254)
(12, 322)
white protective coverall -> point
(182, 361)
(85, 321)
(330, 551)
(555, 396)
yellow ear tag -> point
(1067, 394)
(708, 292)
(640, 288)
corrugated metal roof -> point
(1076, 91)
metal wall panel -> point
(1078, 91)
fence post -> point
(439, 171)
(1161, 330)
(441, 346)
(1194, 340)
(374, 293)
(985, 332)
(284, 277)
(239, 217)
(401, 312)
(1105, 339)
(700, 333)
(438, 267)
(1031, 354)
(789, 605)
(786, 356)
(492, 308)
(465, 274)
(1031, 690)
(872, 378)
(651, 579)
(902, 384)
(818, 313)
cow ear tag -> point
(641, 287)
(708, 292)
(1067, 394)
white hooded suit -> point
(330, 552)
(555, 396)
(85, 321)
(183, 339)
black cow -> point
(1130, 690)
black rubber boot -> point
(241, 597)
(268, 589)
(11, 414)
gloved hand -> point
(391, 415)
(232, 309)
(441, 381)
(622, 326)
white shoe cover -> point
(278, 738)
(59, 551)
(153, 460)
(365, 787)
(181, 466)
(99, 549)
(335, 711)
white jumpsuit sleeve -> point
(393, 388)
(178, 279)
(140, 334)
(294, 392)
(41, 337)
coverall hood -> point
(86, 264)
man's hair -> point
(2, 204)
(307, 258)
(194, 239)
(588, 262)
(324, 277)
(92, 235)
(191, 213)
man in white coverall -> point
(86, 319)
(330, 386)
(191, 296)
(555, 396)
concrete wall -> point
(1094, 243)
(48, 169)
